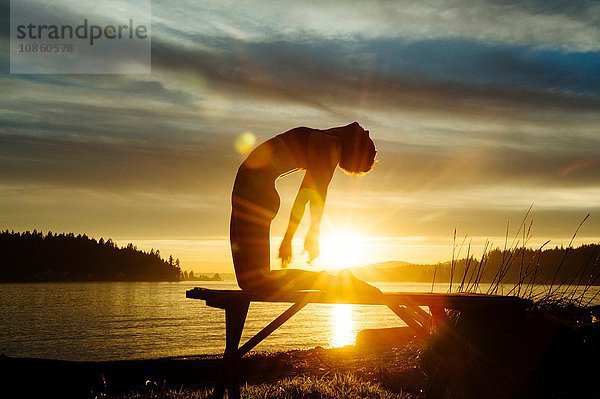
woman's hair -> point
(358, 150)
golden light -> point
(343, 325)
(341, 249)
(244, 143)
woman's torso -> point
(280, 155)
(254, 186)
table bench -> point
(407, 306)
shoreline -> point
(78, 378)
(548, 353)
(549, 349)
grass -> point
(345, 386)
(516, 256)
(340, 386)
(551, 350)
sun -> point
(341, 249)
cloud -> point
(375, 75)
(532, 23)
(478, 110)
(538, 23)
(204, 166)
(113, 213)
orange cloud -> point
(577, 166)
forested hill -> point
(34, 256)
(579, 265)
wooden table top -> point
(219, 298)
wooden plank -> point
(410, 321)
(220, 298)
(420, 315)
(274, 325)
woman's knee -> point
(256, 281)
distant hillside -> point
(395, 271)
(563, 265)
(33, 256)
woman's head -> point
(358, 150)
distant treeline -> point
(34, 256)
(190, 276)
(559, 265)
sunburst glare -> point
(343, 325)
(340, 249)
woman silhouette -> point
(255, 203)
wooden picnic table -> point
(407, 306)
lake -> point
(110, 321)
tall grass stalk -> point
(480, 268)
(550, 292)
(515, 254)
(453, 264)
(467, 265)
(509, 254)
(582, 274)
(592, 280)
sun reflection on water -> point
(343, 325)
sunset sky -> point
(478, 110)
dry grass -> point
(344, 386)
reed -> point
(566, 253)
(516, 255)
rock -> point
(383, 338)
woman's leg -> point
(255, 203)
(251, 258)
(250, 249)
(294, 280)
(250, 228)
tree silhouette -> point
(33, 256)
(579, 265)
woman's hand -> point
(311, 245)
(285, 252)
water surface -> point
(106, 321)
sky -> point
(479, 110)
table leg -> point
(440, 318)
(408, 317)
(235, 317)
(438, 359)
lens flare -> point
(244, 143)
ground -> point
(538, 353)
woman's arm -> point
(323, 157)
(285, 250)
(320, 184)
